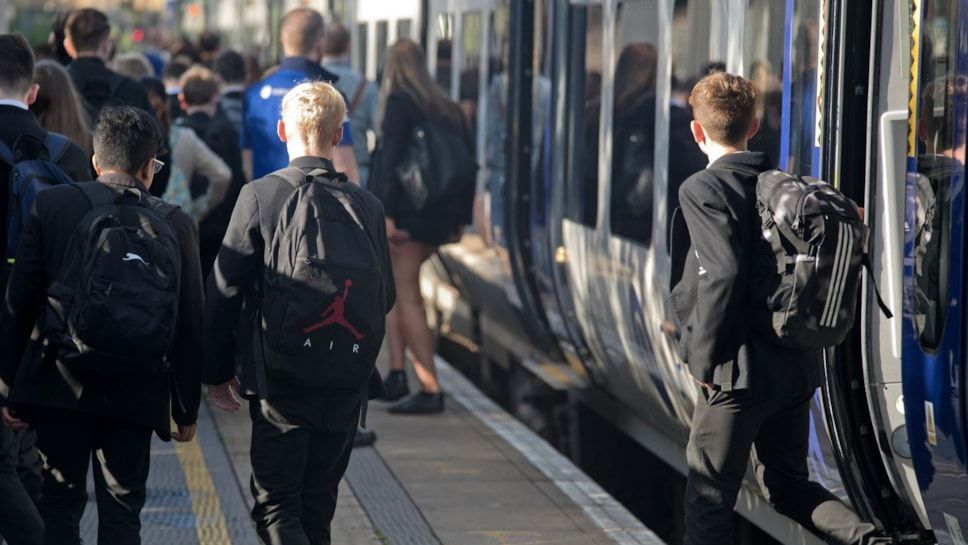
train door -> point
(470, 53)
(933, 329)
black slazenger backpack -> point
(323, 309)
(820, 244)
(112, 310)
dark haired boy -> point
(230, 66)
(199, 100)
(86, 40)
(81, 419)
(21, 133)
(754, 394)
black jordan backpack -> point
(819, 242)
(111, 312)
(323, 300)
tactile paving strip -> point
(193, 495)
(384, 499)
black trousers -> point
(119, 450)
(20, 522)
(725, 427)
(295, 477)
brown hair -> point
(199, 85)
(725, 106)
(58, 106)
(635, 75)
(337, 40)
(87, 28)
(406, 71)
(299, 31)
(16, 63)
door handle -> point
(893, 236)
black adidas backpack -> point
(819, 241)
(111, 312)
(323, 309)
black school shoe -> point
(420, 403)
(365, 437)
(395, 385)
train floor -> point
(472, 475)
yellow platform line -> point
(210, 525)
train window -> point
(494, 173)
(940, 148)
(763, 56)
(445, 33)
(382, 41)
(803, 86)
(633, 120)
(470, 69)
(586, 97)
(404, 28)
(693, 56)
(361, 48)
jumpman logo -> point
(334, 314)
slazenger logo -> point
(134, 257)
(334, 315)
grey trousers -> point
(725, 427)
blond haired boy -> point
(302, 430)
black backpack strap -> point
(291, 175)
(57, 146)
(97, 197)
(866, 260)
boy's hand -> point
(11, 421)
(184, 434)
(226, 396)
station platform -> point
(470, 476)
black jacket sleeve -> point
(24, 297)
(710, 338)
(186, 381)
(236, 267)
(396, 129)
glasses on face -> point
(157, 165)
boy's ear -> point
(338, 137)
(754, 128)
(698, 133)
(281, 130)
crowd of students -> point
(178, 223)
(131, 179)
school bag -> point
(323, 298)
(819, 242)
(438, 165)
(111, 312)
(28, 177)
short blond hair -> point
(313, 112)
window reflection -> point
(470, 75)
(803, 87)
(694, 59)
(582, 203)
(362, 30)
(633, 123)
(444, 69)
(763, 52)
(941, 156)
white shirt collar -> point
(13, 102)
